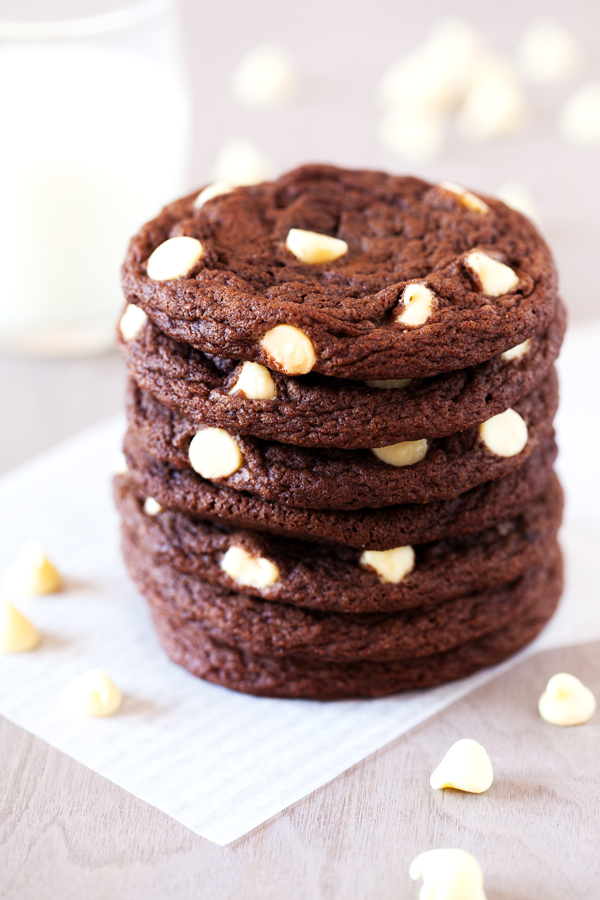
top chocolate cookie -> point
(356, 274)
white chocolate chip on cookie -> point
(174, 258)
(390, 384)
(216, 189)
(566, 701)
(290, 348)
(391, 565)
(448, 875)
(31, 572)
(314, 248)
(495, 278)
(418, 304)
(17, 634)
(120, 466)
(518, 351)
(132, 321)
(468, 199)
(255, 382)
(406, 453)
(255, 571)
(465, 767)
(213, 453)
(91, 694)
(504, 434)
(152, 507)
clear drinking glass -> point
(95, 114)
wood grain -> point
(67, 832)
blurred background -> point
(110, 109)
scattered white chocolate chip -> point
(406, 453)
(91, 694)
(120, 466)
(579, 120)
(548, 53)
(495, 278)
(265, 77)
(314, 248)
(566, 701)
(31, 572)
(132, 321)
(152, 507)
(174, 258)
(390, 384)
(216, 189)
(467, 198)
(290, 348)
(494, 104)
(448, 875)
(519, 197)
(213, 453)
(255, 571)
(518, 351)
(391, 565)
(241, 163)
(465, 767)
(504, 434)
(17, 634)
(412, 135)
(418, 303)
(255, 382)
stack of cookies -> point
(339, 472)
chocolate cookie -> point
(273, 629)
(345, 479)
(424, 280)
(377, 529)
(315, 411)
(188, 644)
(333, 578)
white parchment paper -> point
(220, 762)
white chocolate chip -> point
(465, 767)
(548, 53)
(504, 434)
(579, 120)
(418, 303)
(17, 634)
(390, 384)
(255, 382)
(120, 466)
(264, 78)
(495, 278)
(174, 258)
(448, 875)
(411, 134)
(494, 104)
(290, 348)
(91, 694)
(406, 453)
(519, 197)
(314, 248)
(152, 507)
(213, 453)
(31, 572)
(132, 321)
(216, 189)
(517, 351)
(241, 162)
(468, 199)
(255, 571)
(566, 701)
(391, 565)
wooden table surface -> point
(66, 832)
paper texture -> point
(220, 762)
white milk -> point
(94, 141)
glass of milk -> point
(95, 115)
